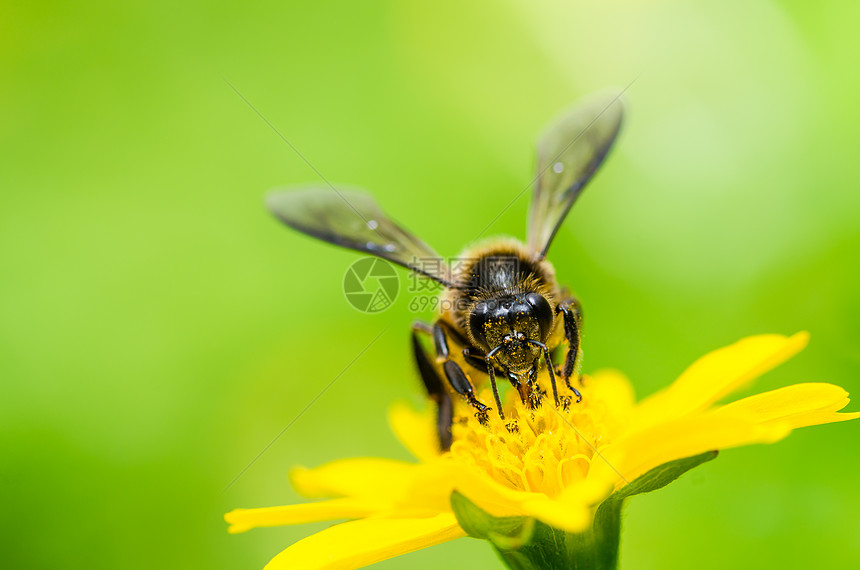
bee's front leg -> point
(456, 377)
(571, 312)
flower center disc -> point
(542, 449)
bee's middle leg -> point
(571, 312)
(434, 385)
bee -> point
(502, 312)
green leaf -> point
(607, 519)
(479, 524)
(661, 476)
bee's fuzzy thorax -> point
(519, 271)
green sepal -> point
(661, 476)
(527, 544)
(607, 520)
(479, 524)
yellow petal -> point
(798, 405)
(245, 519)
(415, 430)
(396, 486)
(613, 389)
(360, 476)
(639, 452)
(715, 375)
(491, 496)
(426, 491)
(557, 514)
(572, 510)
(360, 543)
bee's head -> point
(509, 326)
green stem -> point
(594, 549)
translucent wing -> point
(569, 152)
(352, 219)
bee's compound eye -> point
(478, 319)
(542, 311)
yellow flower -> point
(552, 465)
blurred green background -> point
(158, 329)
